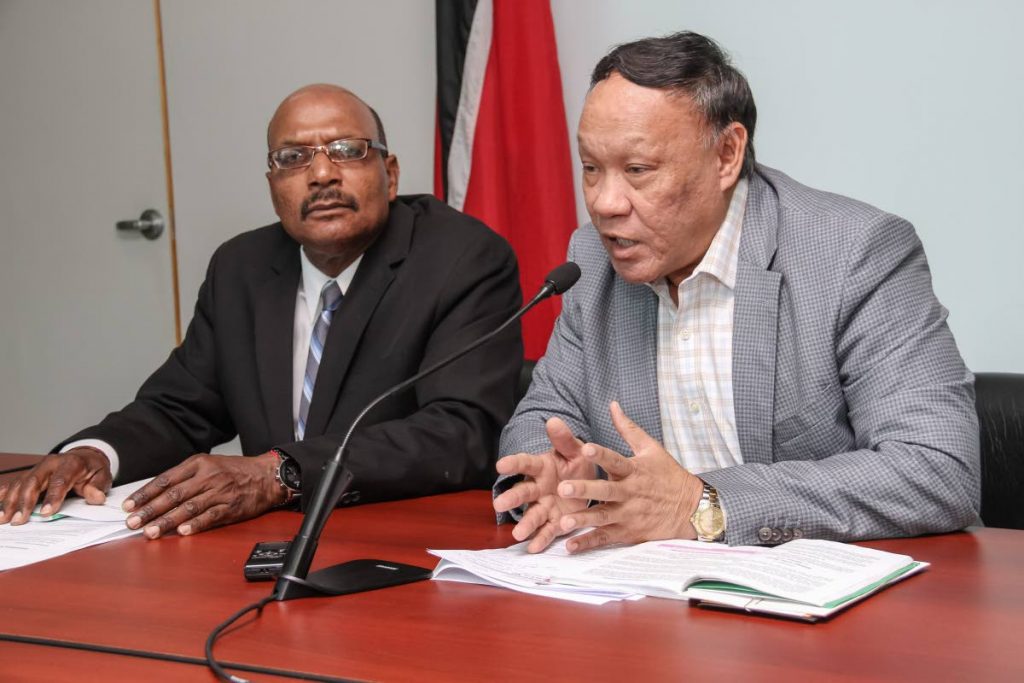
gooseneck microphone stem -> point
(541, 295)
(336, 478)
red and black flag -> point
(502, 146)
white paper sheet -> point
(77, 525)
(515, 568)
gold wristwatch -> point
(708, 519)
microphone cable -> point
(223, 675)
(166, 657)
(214, 665)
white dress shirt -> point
(695, 353)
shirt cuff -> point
(101, 446)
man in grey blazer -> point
(784, 364)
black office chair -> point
(1000, 405)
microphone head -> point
(563, 277)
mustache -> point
(328, 194)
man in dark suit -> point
(297, 327)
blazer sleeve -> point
(906, 394)
(448, 442)
(558, 389)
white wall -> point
(912, 106)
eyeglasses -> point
(338, 151)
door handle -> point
(150, 224)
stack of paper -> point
(77, 525)
(805, 579)
(521, 571)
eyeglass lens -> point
(338, 151)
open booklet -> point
(77, 525)
(803, 579)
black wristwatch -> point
(288, 475)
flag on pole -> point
(502, 145)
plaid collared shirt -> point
(695, 353)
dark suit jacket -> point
(432, 282)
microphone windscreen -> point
(563, 277)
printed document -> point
(806, 579)
(77, 525)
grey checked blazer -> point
(854, 411)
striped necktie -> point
(330, 297)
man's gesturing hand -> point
(203, 492)
(86, 471)
(647, 497)
(538, 490)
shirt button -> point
(787, 535)
(684, 335)
(694, 407)
(764, 534)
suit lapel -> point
(756, 324)
(372, 279)
(636, 354)
(274, 319)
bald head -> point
(322, 92)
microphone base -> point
(355, 576)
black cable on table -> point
(178, 659)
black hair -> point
(692, 64)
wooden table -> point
(15, 462)
(960, 620)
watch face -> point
(291, 475)
(709, 521)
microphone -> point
(558, 281)
(355, 576)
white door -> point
(85, 313)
